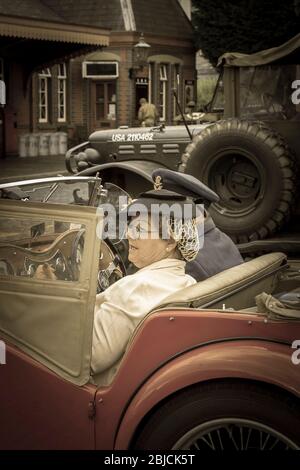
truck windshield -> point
(267, 92)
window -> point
(163, 78)
(100, 69)
(44, 91)
(266, 92)
(62, 93)
(104, 99)
(41, 248)
(176, 86)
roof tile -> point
(161, 17)
(29, 9)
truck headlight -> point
(89, 156)
(92, 155)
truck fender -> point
(133, 176)
(138, 167)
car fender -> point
(260, 360)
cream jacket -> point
(121, 307)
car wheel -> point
(226, 415)
(252, 170)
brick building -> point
(102, 89)
(33, 36)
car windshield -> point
(86, 191)
(59, 191)
(67, 190)
(267, 91)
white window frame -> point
(43, 78)
(176, 86)
(163, 78)
(62, 93)
(163, 72)
(100, 77)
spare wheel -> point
(252, 169)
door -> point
(46, 324)
(141, 91)
(103, 105)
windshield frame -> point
(52, 179)
(55, 181)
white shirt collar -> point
(166, 263)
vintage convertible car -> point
(211, 368)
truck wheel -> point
(252, 170)
(225, 415)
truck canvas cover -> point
(236, 59)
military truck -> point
(250, 156)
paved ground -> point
(16, 168)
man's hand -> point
(45, 272)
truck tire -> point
(252, 169)
(224, 415)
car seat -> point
(235, 287)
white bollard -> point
(44, 144)
(62, 143)
(53, 144)
(33, 145)
(23, 145)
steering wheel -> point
(269, 103)
(111, 266)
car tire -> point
(214, 416)
(252, 169)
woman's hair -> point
(184, 233)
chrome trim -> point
(52, 179)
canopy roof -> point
(52, 31)
(37, 43)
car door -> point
(48, 275)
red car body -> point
(49, 401)
(43, 410)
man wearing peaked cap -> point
(218, 251)
(185, 184)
